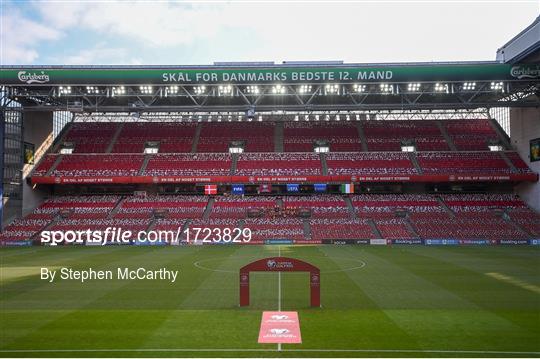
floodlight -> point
(440, 87)
(413, 87)
(469, 86)
(359, 88)
(497, 86)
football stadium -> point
(263, 209)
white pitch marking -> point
(517, 282)
(265, 350)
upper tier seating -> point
(300, 136)
(173, 137)
(99, 165)
(463, 163)
(369, 164)
(388, 135)
(199, 164)
(278, 164)
(216, 137)
(91, 137)
(471, 135)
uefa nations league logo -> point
(271, 263)
(280, 317)
(33, 78)
(279, 331)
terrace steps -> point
(208, 209)
(115, 138)
(196, 137)
(278, 137)
(362, 135)
(54, 165)
(446, 136)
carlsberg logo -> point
(525, 72)
(31, 78)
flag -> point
(347, 188)
(210, 189)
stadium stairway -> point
(362, 135)
(307, 229)
(196, 137)
(350, 206)
(508, 162)
(234, 163)
(503, 137)
(114, 138)
(185, 226)
(414, 161)
(324, 165)
(410, 227)
(446, 136)
(53, 222)
(279, 203)
(54, 165)
(506, 217)
(374, 228)
(151, 225)
(208, 209)
(278, 137)
(55, 148)
(116, 207)
(144, 164)
(445, 207)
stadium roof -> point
(291, 86)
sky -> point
(202, 32)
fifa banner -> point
(535, 242)
(238, 189)
(319, 187)
(265, 188)
(293, 187)
(347, 188)
(210, 189)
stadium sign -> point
(270, 75)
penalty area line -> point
(266, 350)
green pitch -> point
(377, 301)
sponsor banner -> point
(238, 189)
(531, 177)
(407, 241)
(265, 188)
(278, 241)
(347, 188)
(268, 74)
(514, 242)
(378, 242)
(441, 242)
(535, 242)
(280, 327)
(293, 187)
(479, 242)
(319, 187)
(16, 243)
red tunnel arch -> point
(281, 264)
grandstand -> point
(393, 152)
